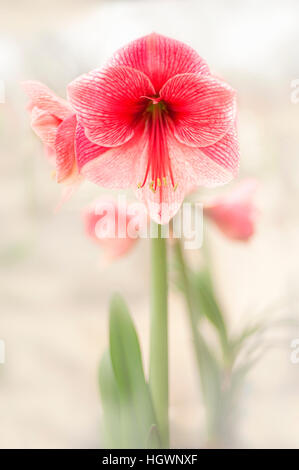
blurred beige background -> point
(54, 286)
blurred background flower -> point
(235, 213)
(54, 294)
(110, 225)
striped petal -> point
(86, 151)
(160, 58)
(191, 167)
(65, 148)
(44, 99)
(109, 103)
(110, 168)
(45, 126)
(202, 108)
(226, 154)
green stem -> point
(158, 379)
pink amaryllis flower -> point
(54, 121)
(113, 226)
(155, 119)
(235, 213)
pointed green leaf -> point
(211, 382)
(208, 305)
(127, 365)
(153, 439)
(110, 403)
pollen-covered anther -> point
(152, 186)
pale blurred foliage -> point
(54, 289)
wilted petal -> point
(109, 103)
(44, 99)
(160, 58)
(202, 108)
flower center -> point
(158, 168)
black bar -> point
(93, 458)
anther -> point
(151, 185)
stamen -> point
(152, 186)
(158, 165)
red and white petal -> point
(226, 154)
(109, 103)
(45, 126)
(165, 201)
(191, 167)
(160, 58)
(202, 108)
(65, 148)
(44, 99)
(209, 166)
(85, 150)
(111, 168)
(50, 154)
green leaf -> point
(135, 399)
(211, 382)
(238, 342)
(110, 403)
(208, 305)
(153, 440)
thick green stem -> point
(159, 336)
